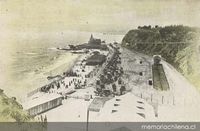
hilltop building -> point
(94, 41)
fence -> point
(155, 96)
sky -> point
(95, 15)
(27, 22)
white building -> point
(42, 103)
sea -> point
(34, 56)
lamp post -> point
(95, 106)
(88, 111)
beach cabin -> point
(40, 104)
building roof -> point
(39, 99)
(96, 59)
(126, 108)
(97, 104)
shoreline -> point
(77, 76)
(17, 87)
(57, 71)
(34, 80)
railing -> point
(155, 97)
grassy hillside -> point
(179, 45)
(11, 110)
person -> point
(45, 118)
(122, 89)
(58, 85)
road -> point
(180, 103)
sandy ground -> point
(186, 106)
(72, 110)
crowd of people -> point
(76, 78)
(109, 83)
(71, 80)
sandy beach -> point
(28, 66)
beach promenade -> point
(73, 83)
(123, 69)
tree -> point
(115, 78)
(102, 86)
(114, 87)
(122, 89)
(119, 81)
(98, 82)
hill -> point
(13, 117)
(178, 45)
(11, 110)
